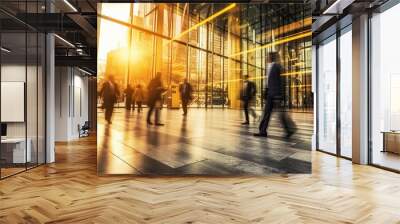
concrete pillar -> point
(50, 98)
(360, 90)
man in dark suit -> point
(109, 92)
(155, 91)
(129, 102)
(185, 90)
(273, 96)
(247, 95)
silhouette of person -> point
(273, 96)
(139, 96)
(247, 96)
(129, 101)
(109, 92)
(185, 90)
(155, 91)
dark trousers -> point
(152, 108)
(128, 103)
(108, 113)
(247, 109)
(139, 106)
(274, 102)
(184, 106)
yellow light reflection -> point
(277, 42)
(296, 73)
(259, 77)
(212, 17)
(300, 24)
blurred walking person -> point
(247, 96)
(155, 91)
(109, 93)
(139, 97)
(273, 96)
(129, 101)
(185, 90)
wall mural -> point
(182, 89)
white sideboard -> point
(17, 145)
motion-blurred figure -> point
(139, 96)
(273, 96)
(155, 91)
(109, 92)
(247, 96)
(185, 90)
(129, 97)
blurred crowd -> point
(153, 96)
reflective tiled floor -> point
(206, 142)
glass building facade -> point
(212, 45)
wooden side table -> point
(391, 141)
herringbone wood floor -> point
(69, 191)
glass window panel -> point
(113, 37)
(14, 153)
(202, 78)
(346, 94)
(179, 61)
(217, 96)
(385, 85)
(327, 96)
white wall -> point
(33, 127)
(71, 102)
(16, 73)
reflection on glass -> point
(327, 96)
